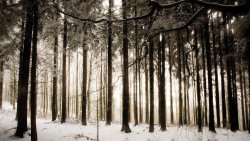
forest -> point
(140, 69)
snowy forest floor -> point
(74, 131)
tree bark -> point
(84, 81)
(151, 85)
(209, 76)
(64, 81)
(199, 120)
(24, 73)
(216, 77)
(125, 92)
(179, 77)
(33, 89)
(110, 87)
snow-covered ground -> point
(73, 131)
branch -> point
(234, 9)
(154, 7)
(188, 23)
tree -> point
(198, 81)
(179, 77)
(64, 98)
(54, 95)
(110, 87)
(151, 85)
(209, 75)
(125, 91)
(24, 73)
(161, 76)
(33, 89)
(84, 79)
(1, 81)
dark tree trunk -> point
(199, 120)
(24, 73)
(179, 77)
(1, 82)
(84, 81)
(33, 89)
(209, 76)
(170, 81)
(146, 85)
(20, 60)
(204, 78)
(223, 101)
(216, 77)
(151, 85)
(64, 79)
(54, 95)
(163, 81)
(110, 87)
(125, 92)
(89, 84)
(232, 104)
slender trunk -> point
(69, 95)
(204, 78)
(242, 98)
(245, 96)
(159, 81)
(151, 85)
(84, 82)
(216, 77)
(170, 81)
(101, 92)
(89, 84)
(76, 104)
(163, 82)
(223, 101)
(125, 92)
(1, 82)
(54, 95)
(33, 89)
(64, 98)
(198, 81)
(146, 85)
(209, 76)
(179, 77)
(24, 73)
(110, 87)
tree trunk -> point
(64, 81)
(110, 87)
(89, 83)
(199, 120)
(216, 77)
(245, 95)
(54, 95)
(1, 81)
(24, 73)
(170, 81)
(125, 92)
(151, 85)
(204, 78)
(69, 95)
(242, 98)
(146, 85)
(163, 82)
(209, 76)
(179, 77)
(84, 81)
(33, 89)
(223, 101)
(76, 105)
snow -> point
(74, 131)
